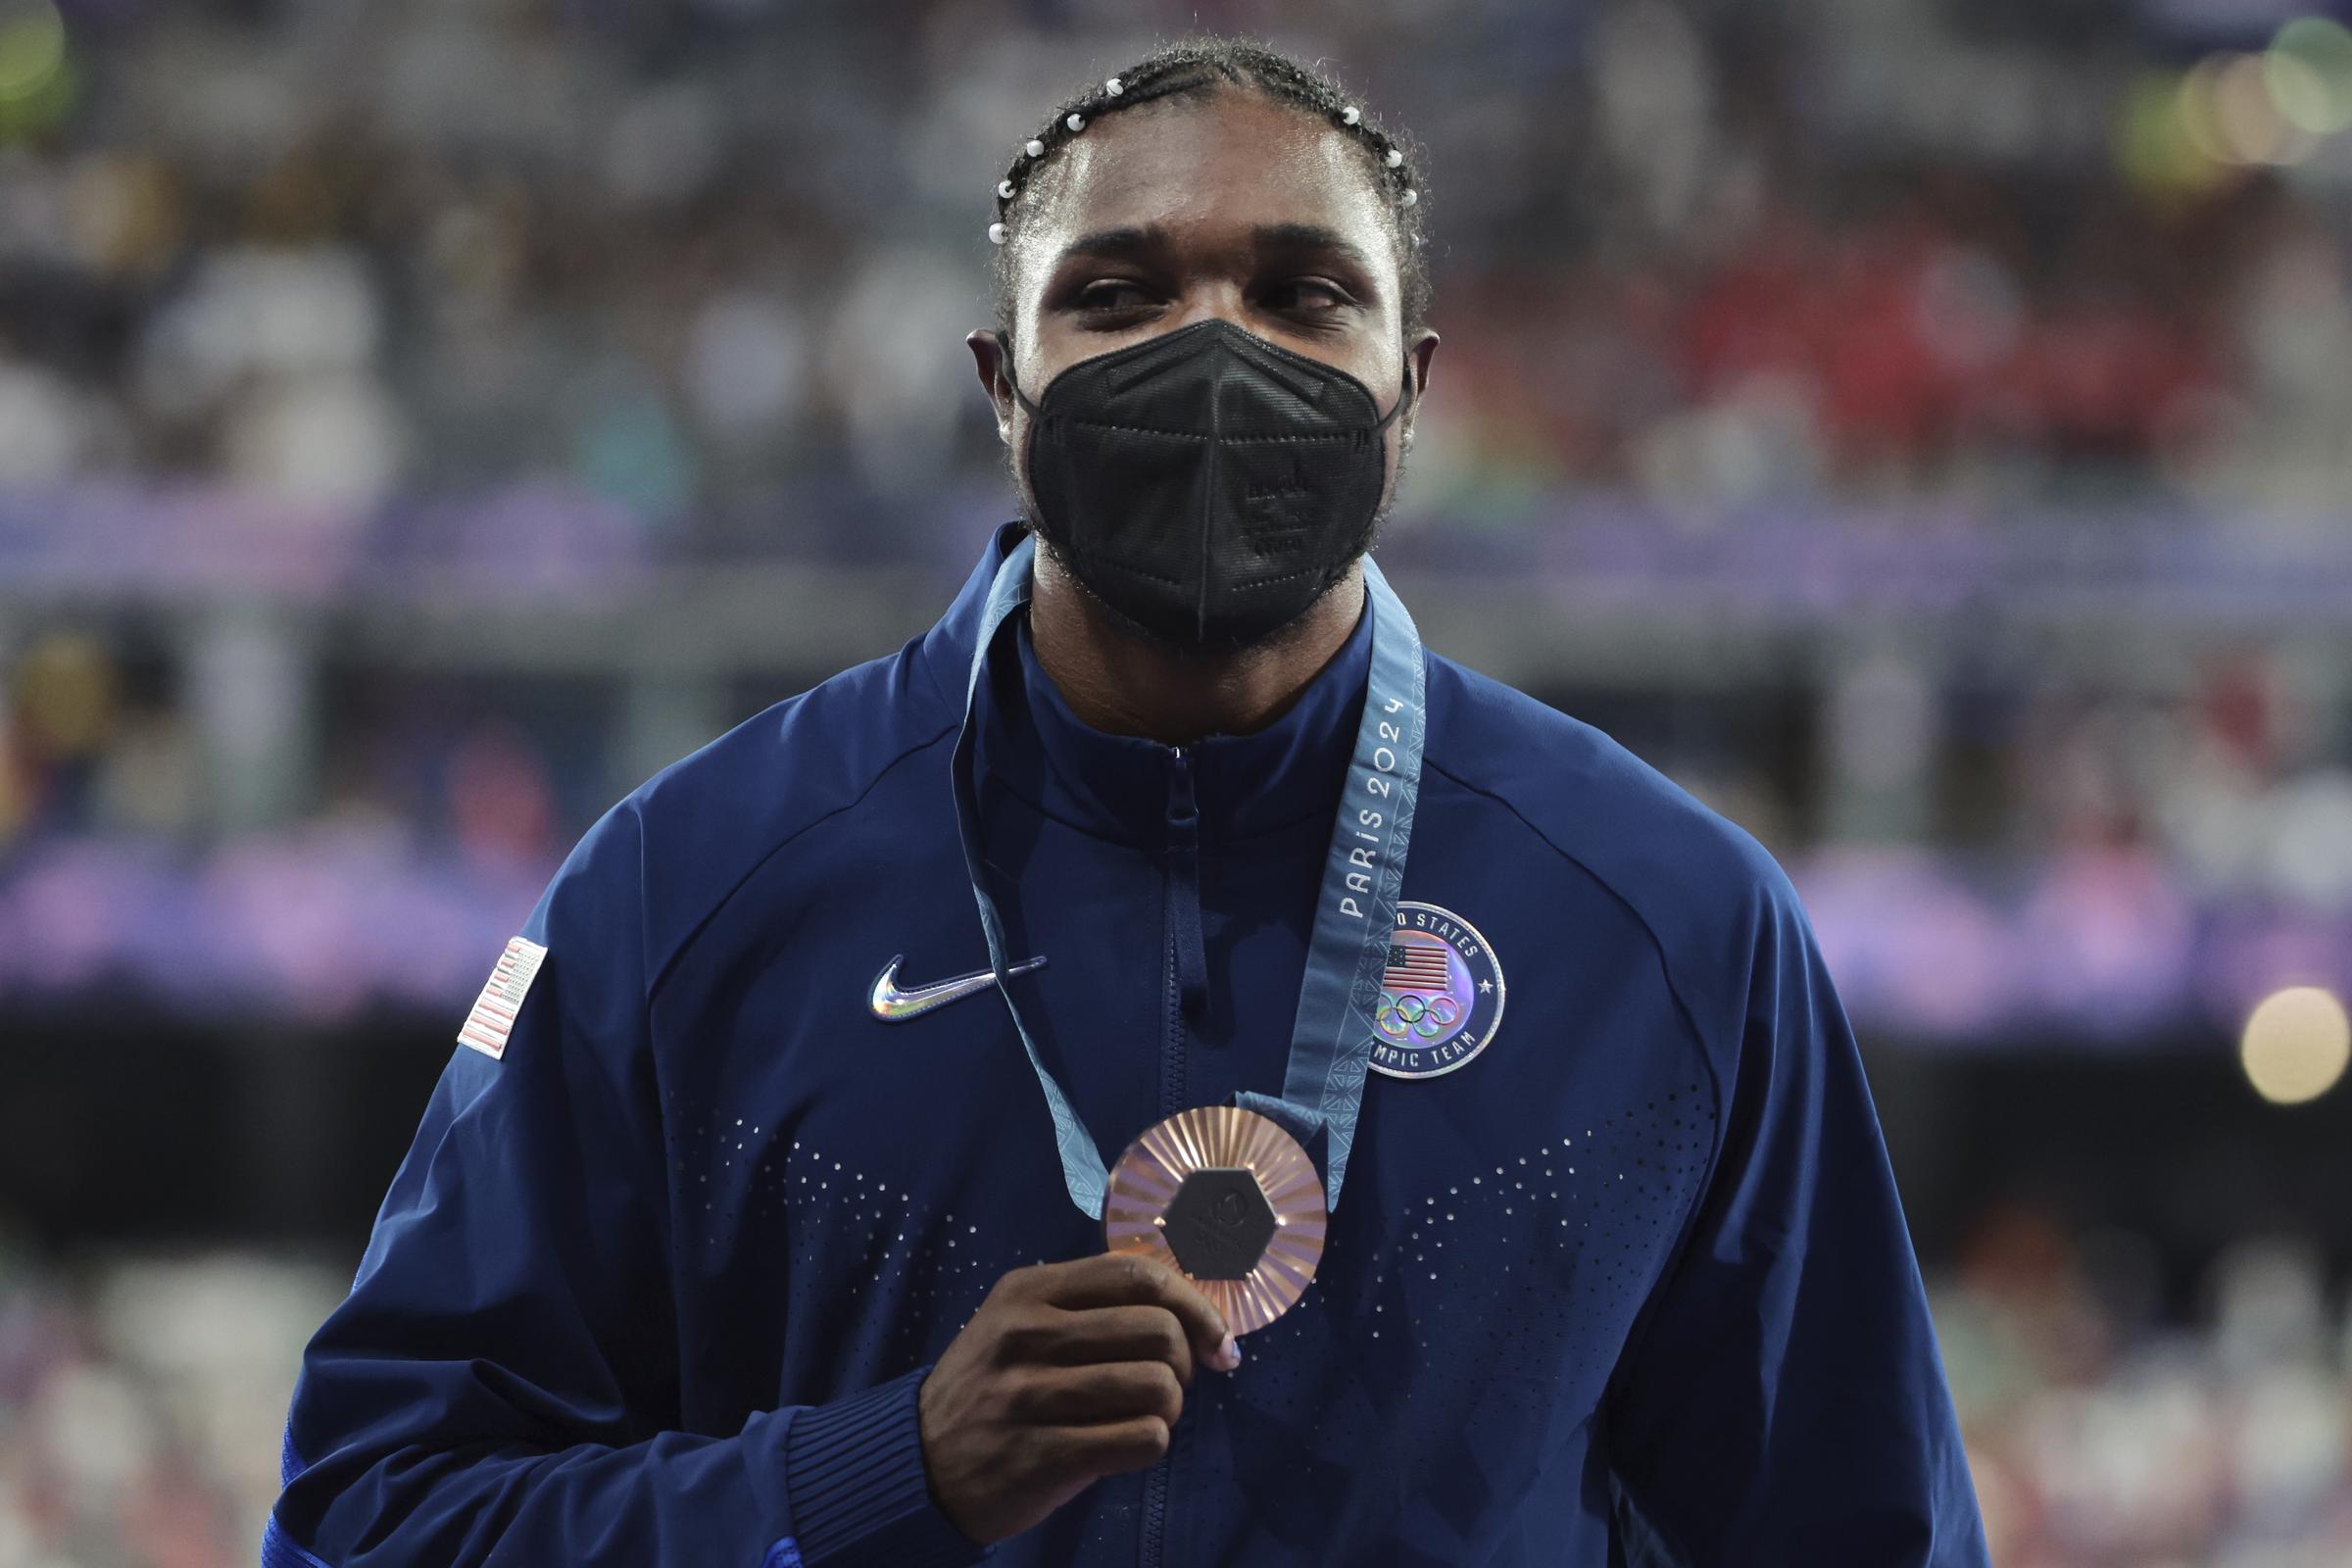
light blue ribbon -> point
(1355, 916)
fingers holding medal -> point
(1068, 1372)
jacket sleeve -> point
(1783, 1400)
(499, 1389)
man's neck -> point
(1118, 683)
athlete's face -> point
(1230, 206)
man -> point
(712, 1252)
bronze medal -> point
(1228, 1198)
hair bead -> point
(1034, 148)
(1350, 115)
(1394, 159)
(1076, 122)
(996, 233)
(1114, 86)
(1004, 189)
(1409, 197)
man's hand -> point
(1067, 1373)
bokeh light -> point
(2229, 115)
(2193, 106)
(2251, 120)
(32, 47)
(2308, 71)
(2297, 1044)
(2154, 145)
(65, 694)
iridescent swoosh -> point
(892, 1005)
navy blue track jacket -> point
(656, 1284)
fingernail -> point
(1229, 1355)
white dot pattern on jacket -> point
(1506, 1291)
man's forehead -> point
(1223, 169)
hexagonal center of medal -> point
(1218, 1223)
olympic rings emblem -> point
(1417, 1016)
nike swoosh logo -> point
(892, 1005)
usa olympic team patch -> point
(494, 1011)
(1440, 996)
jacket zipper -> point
(1153, 1549)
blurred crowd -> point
(530, 288)
(1990, 847)
(699, 257)
(2102, 1435)
(141, 1403)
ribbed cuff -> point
(860, 1493)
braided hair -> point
(1196, 67)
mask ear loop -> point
(1404, 399)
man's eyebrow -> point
(1148, 239)
(1308, 237)
(1129, 241)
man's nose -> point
(1213, 302)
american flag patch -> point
(493, 1016)
(1415, 966)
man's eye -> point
(1111, 294)
(1309, 294)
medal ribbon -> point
(1356, 913)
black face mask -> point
(1207, 485)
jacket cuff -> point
(860, 1493)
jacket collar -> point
(1118, 786)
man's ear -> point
(1417, 354)
(1422, 350)
(992, 357)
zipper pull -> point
(1182, 807)
(1184, 887)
